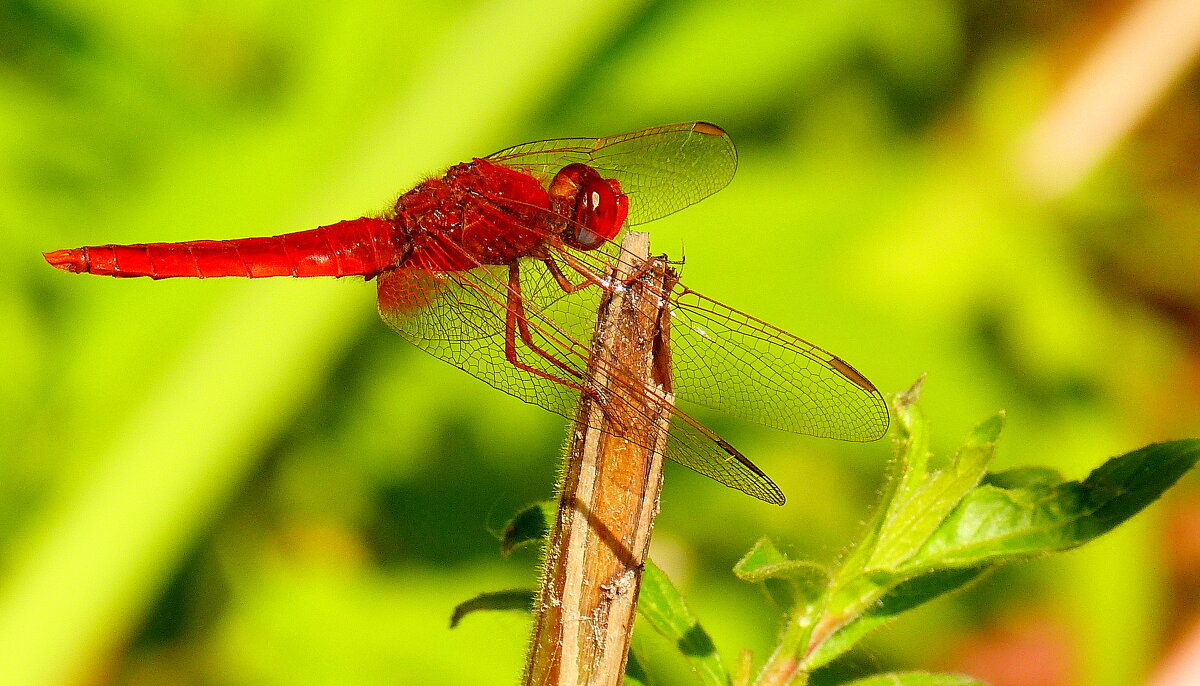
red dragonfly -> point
(498, 266)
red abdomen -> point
(365, 246)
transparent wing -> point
(460, 317)
(662, 169)
(729, 361)
(737, 364)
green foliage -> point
(635, 674)
(943, 523)
(662, 607)
(789, 583)
(529, 526)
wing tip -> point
(709, 129)
(763, 488)
(853, 374)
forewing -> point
(662, 169)
(742, 366)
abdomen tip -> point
(66, 260)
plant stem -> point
(610, 485)
(783, 667)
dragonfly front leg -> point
(590, 277)
(517, 324)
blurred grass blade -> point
(635, 673)
(515, 599)
(88, 564)
(83, 576)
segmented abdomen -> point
(365, 246)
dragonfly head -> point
(596, 206)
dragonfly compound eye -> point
(596, 206)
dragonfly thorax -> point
(478, 213)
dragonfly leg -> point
(589, 275)
(517, 324)
(593, 279)
(562, 280)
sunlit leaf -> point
(662, 606)
(1034, 515)
(929, 490)
(945, 524)
(791, 584)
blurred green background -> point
(255, 482)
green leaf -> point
(946, 522)
(899, 598)
(793, 585)
(911, 442)
(929, 489)
(922, 490)
(662, 606)
(1134, 480)
(916, 679)
(1026, 513)
(515, 599)
(1024, 477)
(635, 673)
(530, 525)
(877, 581)
(1011, 515)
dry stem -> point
(610, 488)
